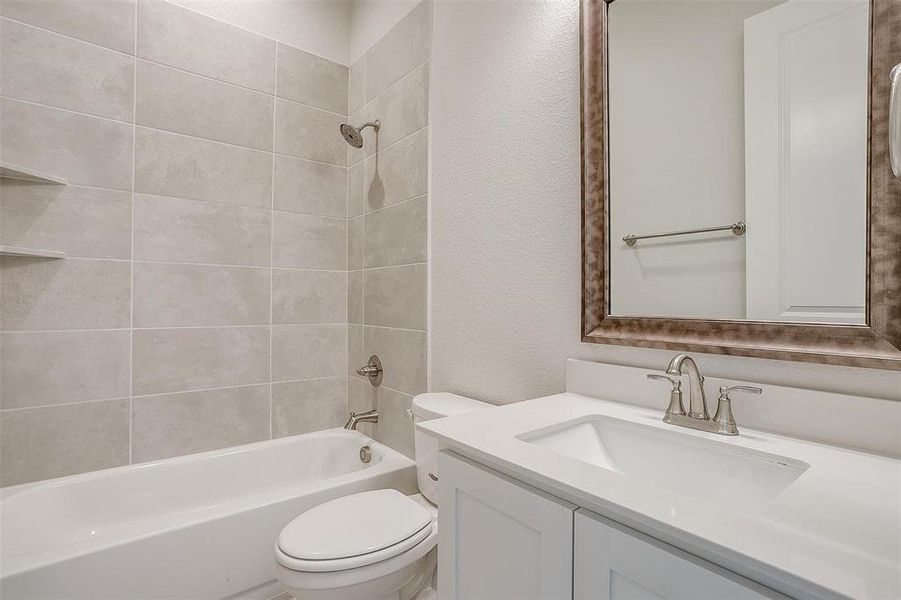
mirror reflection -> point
(748, 118)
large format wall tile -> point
(394, 428)
(172, 360)
(310, 187)
(397, 235)
(309, 242)
(396, 296)
(188, 40)
(403, 354)
(355, 297)
(40, 443)
(176, 295)
(355, 243)
(311, 79)
(64, 294)
(355, 92)
(355, 190)
(83, 222)
(176, 165)
(309, 296)
(355, 358)
(310, 133)
(175, 424)
(108, 23)
(398, 173)
(304, 406)
(41, 368)
(405, 46)
(403, 109)
(308, 351)
(84, 149)
(184, 103)
(171, 229)
(47, 68)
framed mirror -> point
(738, 195)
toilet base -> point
(412, 582)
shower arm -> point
(376, 125)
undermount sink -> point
(719, 472)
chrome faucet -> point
(698, 417)
(370, 416)
(697, 401)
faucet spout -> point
(697, 401)
(370, 416)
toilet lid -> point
(354, 525)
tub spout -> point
(370, 416)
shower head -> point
(354, 136)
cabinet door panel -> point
(613, 562)
(499, 538)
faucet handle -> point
(726, 390)
(675, 396)
(723, 417)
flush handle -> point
(433, 477)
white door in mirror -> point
(806, 162)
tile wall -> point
(387, 182)
(204, 299)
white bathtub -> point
(192, 527)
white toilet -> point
(375, 545)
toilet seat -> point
(354, 531)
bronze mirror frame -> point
(877, 344)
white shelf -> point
(12, 171)
(30, 252)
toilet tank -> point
(435, 406)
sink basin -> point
(718, 472)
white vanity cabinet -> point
(613, 562)
(500, 538)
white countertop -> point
(835, 532)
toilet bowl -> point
(375, 545)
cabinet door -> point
(613, 562)
(498, 538)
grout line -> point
(393, 204)
(207, 202)
(272, 233)
(202, 264)
(204, 76)
(69, 37)
(307, 379)
(407, 329)
(131, 308)
(171, 327)
(67, 110)
(92, 401)
(412, 264)
(310, 160)
(312, 106)
(292, 212)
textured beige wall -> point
(203, 300)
